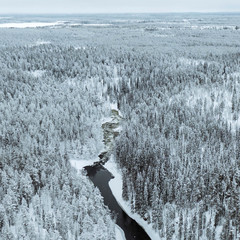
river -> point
(100, 177)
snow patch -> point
(40, 42)
(119, 233)
(5, 18)
(188, 61)
(91, 24)
(38, 73)
(71, 82)
(114, 106)
(81, 47)
(218, 232)
(234, 75)
(107, 119)
(79, 164)
(215, 27)
(115, 75)
(213, 99)
(29, 24)
(165, 35)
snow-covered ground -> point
(194, 95)
(80, 47)
(215, 27)
(119, 233)
(85, 159)
(90, 24)
(116, 187)
(234, 75)
(5, 18)
(189, 61)
(164, 35)
(79, 164)
(29, 24)
(38, 73)
(42, 42)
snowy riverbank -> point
(116, 187)
(119, 233)
(79, 165)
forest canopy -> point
(177, 87)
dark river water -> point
(100, 177)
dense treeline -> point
(51, 107)
(179, 147)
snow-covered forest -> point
(179, 147)
(177, 87)
(49, 109)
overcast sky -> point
(116, 6)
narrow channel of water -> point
(100, 177)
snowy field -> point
(29, 24)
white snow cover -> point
(234, 75)
(216, 27)
(5, 18)
(114, 107)
(192, 96)
(42, 42)
(188, 61)
(29, 24)
(81, 47)
(38, 73)
(119, 233)
(91, 24)
(164, 35)
(115, 185)
(79, 164)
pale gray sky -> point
(116, 6)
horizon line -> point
(108, 13)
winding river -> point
(100, 177)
